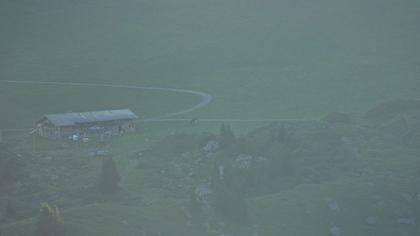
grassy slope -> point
(288, 59)
(304, 210)
(149, 203)
(259, 59)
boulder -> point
(211, 146)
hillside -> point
(309, 126)
(339, 175)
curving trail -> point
(205, 98)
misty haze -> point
(209, 118)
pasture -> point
(259, 60)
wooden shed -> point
(66, 125)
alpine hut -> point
(86, 123)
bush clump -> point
(227, 137)
(110, 178)
(10, 165)
(49, 222)
(10, 210)
(228, 201)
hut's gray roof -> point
(68, 119)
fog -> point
(159, 117)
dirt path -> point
(205, 98)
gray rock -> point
(221, 171)
(407, 221)
(335, 231)
(407, 197)
(124, 222)
(34, 176)
(211, 146)
(379, 204)
(54, 177)
(202, 194)
(244, 161)
(332, 204)
(371, 220)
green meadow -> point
(266, 59)
(281, 59)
